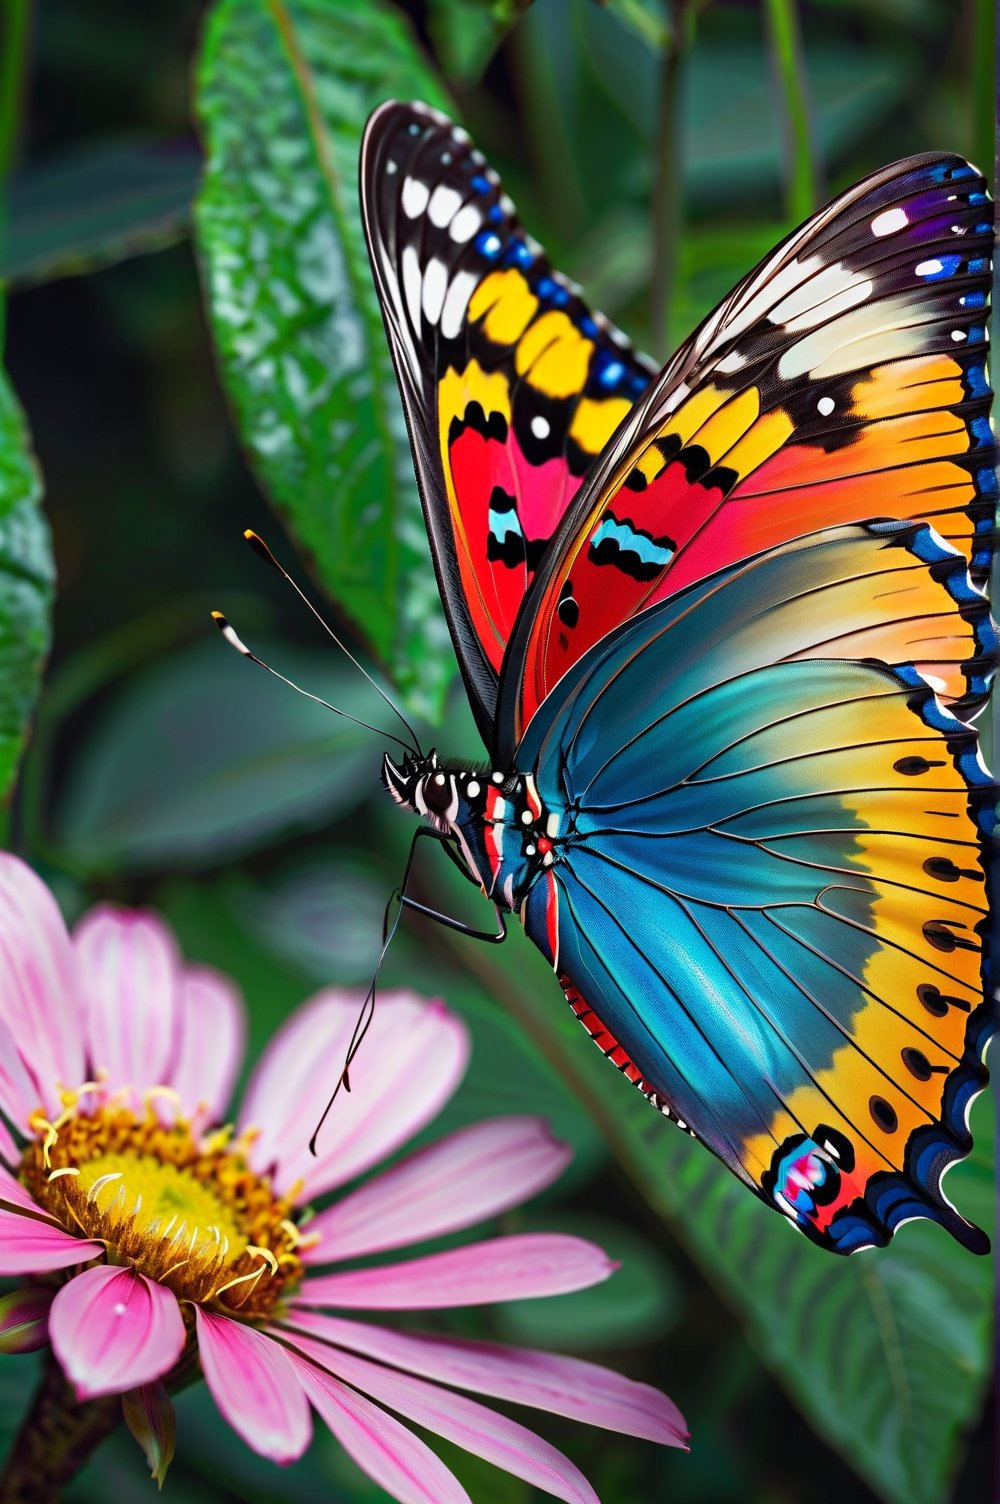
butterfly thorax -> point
(505, 835)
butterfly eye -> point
(437, 792)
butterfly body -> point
(506, 837)
(724, 633)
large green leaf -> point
(886, 1353)
(284, 90)
(26, 583)
(200, 758)
(90, 205)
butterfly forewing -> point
(844, 379)
(511, 384)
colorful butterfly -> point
(723, 631)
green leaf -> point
(322, 915)
(284, 90)
(202, 757)
(27, 578)
(91, 205)
(466, 33)
(731, 135)
(646, 19)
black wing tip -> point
(395, 111)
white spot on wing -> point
(415, 196)
(889, 222)
(825, 405)
(829, 292)
(465, 224)
(411, 283)
(444, 202)
(881, 330)
(929, 268)
(541, 427)
(734, 361)
(435, 287)
(456, 302)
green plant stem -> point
(13, 62)
(57, 1437)
(15, 31)
(667, 205)
(788, 61)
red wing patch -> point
(511, 384)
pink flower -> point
(155, 1231)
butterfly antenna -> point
(365, 1015)
(241, 648)
(259, 547)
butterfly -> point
(723, 631)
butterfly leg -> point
(448, 920)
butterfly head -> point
(421, 785)
(449, 797)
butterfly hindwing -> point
(842, 380)
(773, 890)
(511, 384)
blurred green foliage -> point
(162, 770)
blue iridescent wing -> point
(773, 863)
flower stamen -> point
(183, 1210)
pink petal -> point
(9, 1152)
(411, 1061)
(255, 1386)
(29, 1246)
(501, 1269)
(547, 1381)
(130, 977)
(24, 1320)
(38, 987)
(390, 1454)
(211, 1043)
(113, 1329)
(468, 1424)
(14, 1196)
(471, 1175)
(19, 1096)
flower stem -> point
(15, 32)
(788, 62)
(55, 1440)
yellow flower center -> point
(185, 1211)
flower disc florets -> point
(185, 1211)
